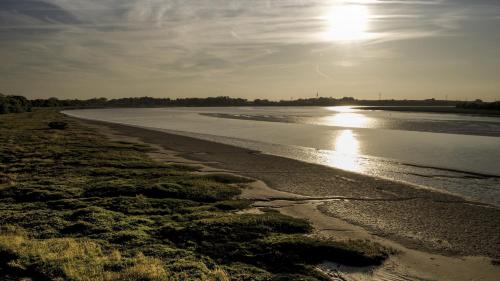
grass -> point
(76, 206)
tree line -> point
(228, 101)
(479, 104)
(13, 103)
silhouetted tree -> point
(14, 104)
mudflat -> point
(415, 217)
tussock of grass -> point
(226, 178)
(5, 179)
(75, 259)
(84, 260)
(143, 268)
(288, 249)
(231, 205)
(101, 210)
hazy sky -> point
(251, 48)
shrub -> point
(14, 104)
(58, 125)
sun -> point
(348, 23)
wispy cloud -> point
(177, 39)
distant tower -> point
(379, 96)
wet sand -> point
(342, 204)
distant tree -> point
(479, 104)
(14, 104)
(8, 104)
(4, 105)
(52, 102)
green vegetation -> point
(14, 104)
(76, 206)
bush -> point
(14, 104)
(58, 125)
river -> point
(452, 153)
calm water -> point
(452, 153)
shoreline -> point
(400, 108)
(434, 109)
(280, 187)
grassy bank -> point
(76, 206)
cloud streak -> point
(173, 40)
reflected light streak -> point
(353, 120)
(347, 150)
(346, 143)
(341, 108)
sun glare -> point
(347, 119)
(348, 23)
(347, 150)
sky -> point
(280, 49)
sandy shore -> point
(432, 231)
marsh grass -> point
(76, 206)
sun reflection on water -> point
(347, 143)
(347, 151)
(354, 120)
(344, 108)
